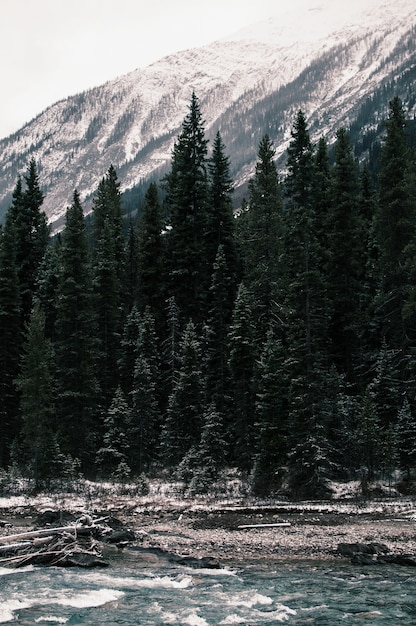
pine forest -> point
(277, 337)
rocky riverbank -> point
(226, 531)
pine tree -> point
(406, 438)
(151, 277)
(217, 357)
(270, 417)
(36, 383)
(343, 257)
(201, 466)
(48, 282)
(109, 271)
(115, 449)
(220, 218)
(10, 339)
(130, 284)
(76, 344)
(305, 294)
(107, 303)
(32, 235)
(262, 248)
(242, 358)
(395, 227)
(368, 437)
(145, 417)
(182, 427)
(187, 195)
(128, 351)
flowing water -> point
(133, 592)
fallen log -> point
(249, 526)
(43, 532)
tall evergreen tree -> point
(48, 282)
(113, 454)
(41, 454)
(343, 257)
(151, 277)
(242, 357)
(271, 424)
(406, 438)
(76, 344)
(10, 339)
(264, 240)
(107, 303)
(396, 223)
(217, 357)
(145, 417)
(187, 195)
(182, 427)
(220, 217)
(32, 235)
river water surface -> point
(153, 594)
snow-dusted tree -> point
(116, 442)
(242, 357)
(203, 463)
(270, 416)
(182, 427)
(406, 438)
(368, 437)
(41, 454)
(145, 418)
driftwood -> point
(68, 546)
(252, 526)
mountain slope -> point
(250, 83)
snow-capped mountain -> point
(315, 58)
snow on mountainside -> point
(314, 58)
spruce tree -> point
(48, 282)
(145, 416)
(130, 284)
(219, 317)
(182, 427)
(32, 235)
(343, 257)
(187, 196)
(150, 274)
(262, 248)
(76, 344)
(107, 303)
(113, 454)
(220, 219)
(41, 454)
(242, 357)
(406, 438)
(10, 339)
(395, 227)
(109, 271)
(271, 425)
(128, 351)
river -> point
(156, 593)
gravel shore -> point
(213, 529)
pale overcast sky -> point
(50, 49)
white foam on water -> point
(212, 572)
(9, 608)
(87, 599)
(186, 617)
(233, 619)
(51, 618)
(148, 582)
(8, 571)
(249, 599)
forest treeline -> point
(279, 340)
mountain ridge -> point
(132, 121)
